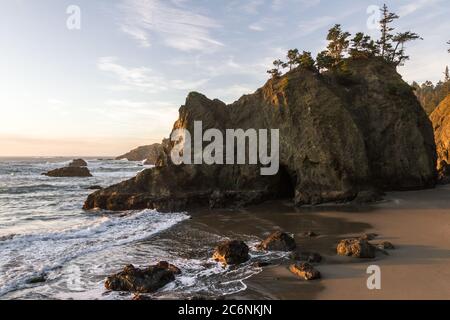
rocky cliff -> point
(149, 153)
(441, 124)
(342, 135)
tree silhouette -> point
(390, 45)
(324, 61)
(338, 43)
(384, 43)
(362, 46)
(293, 58)
(306, 61)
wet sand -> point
(416, 222)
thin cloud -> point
(143, 78)
(178, 27)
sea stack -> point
(339, 137)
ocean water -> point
(44, 232)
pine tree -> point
(275, 72)
(338, 43)
(306, 61)
(362, 46)
(397, 54)
(446, 74)
(292, 57)
(324, 61)
(384, 43)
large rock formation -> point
(340, 135)
(441, 124)
(149, 153)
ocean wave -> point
(29, 255)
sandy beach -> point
(416, 222)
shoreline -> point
(416, 222)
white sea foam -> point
(25, 256)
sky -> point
(98, 78)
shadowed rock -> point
(69, 172)
(278, 241)
(358, 248)
(145, 280)
(305, 271)
(311, 257)
(231, 252)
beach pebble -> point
(358, 248)
(385, 245)
(278, 241)
(305, 271)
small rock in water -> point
(69, 172)
(142, 297)
(38, 279)
(305, 271)
(145, 280)
(385, 245)
(310, 234)
(312, 257)
(278, 241)
(358, 248)
(94, 188)
(231, 252)
(261, 264)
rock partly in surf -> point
(145, 280)
(69, 172)
(231, 252)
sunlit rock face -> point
(441, 124)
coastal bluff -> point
(441, 124)
(343, 137)
(148, 153)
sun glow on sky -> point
(118, 81)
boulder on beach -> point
(231, 252)
(305, 271)
(69, 172)
(338, 141)
(358, 248)
(278, 241)
(78, 163)
(146, 280)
